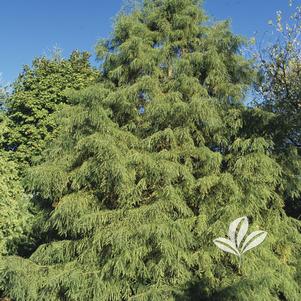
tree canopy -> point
(37, 94)
(149, 165)
(15, 218)
(278, 104)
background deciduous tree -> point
(15, 218)
(279, 103)
(37, 94)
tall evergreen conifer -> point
(150, 167)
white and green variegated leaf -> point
(233, 228)
(253, 240)
(226, 245)
(244, 225)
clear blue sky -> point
(30, 28)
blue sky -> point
(32, 28)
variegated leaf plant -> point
(236, 244)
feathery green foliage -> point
(149, 166)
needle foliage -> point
(149, 166)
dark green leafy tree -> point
(149, 166)
(14, 204)
(15, 219)
(37, 94)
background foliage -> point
(37, 94)
(279, 103)
(15, 219)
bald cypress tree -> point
(150, 166)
